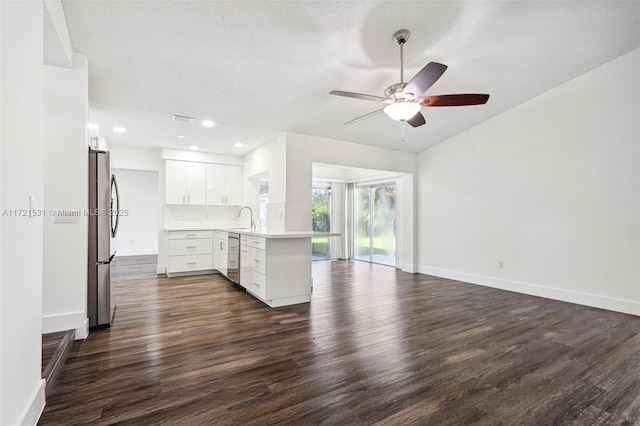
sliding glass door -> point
(374, 212)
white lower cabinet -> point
(200, 263)
(257, 285)
(220, 250)
(245, 264)
(189, 253)
(279, 270)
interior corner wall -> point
(550, 188)
(21, 177)
(303, 150)
(268, 160)
(65, 188)
(405, 225)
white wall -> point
(138, 226)
(132, 158)
(21, 164)
(551, 188)
(303, 150)
(64, 304)
(268, 160)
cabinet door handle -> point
(191, 247)
(191, 263)
(191, 235)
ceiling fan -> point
(405, 99)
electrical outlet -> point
(500, 264)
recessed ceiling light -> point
(239, 145)
(180, 136)
(208, 123)
(193, 147)
(119, 130)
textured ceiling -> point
(260, 68)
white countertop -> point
(260, 232)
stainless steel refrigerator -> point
(103, 212)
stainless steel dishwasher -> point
(233, 257)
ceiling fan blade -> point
(417, 120)
(425, 78)
(453, 100)
(362, 117)
(360, 96)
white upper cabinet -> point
(185, 182)
(176, 182)
(215, 184)
(196, 175)
(224, 185)
(233, 185)
(194, 183)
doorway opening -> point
(374, 231)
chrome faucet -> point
(253, 225)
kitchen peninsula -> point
(274, 266)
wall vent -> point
(182, 118)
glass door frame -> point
(318, 241)
(371, 256)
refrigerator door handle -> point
(114, 185)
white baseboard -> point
(135, 252)
(160, 269)
(62, 322)
(571, 296)
(406, 267)
(33, 409)
(82, 332)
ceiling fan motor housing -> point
(391, 91)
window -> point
(321, 221)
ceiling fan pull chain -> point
(403, 125)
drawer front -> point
(257, 284)
(258, 260)
(192, 246)
(244, 239)
(197, 262)
(245, 266)
(257, 242)
(183, 235)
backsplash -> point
(214, 216)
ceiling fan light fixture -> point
(402, 111)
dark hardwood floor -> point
(375, 345)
